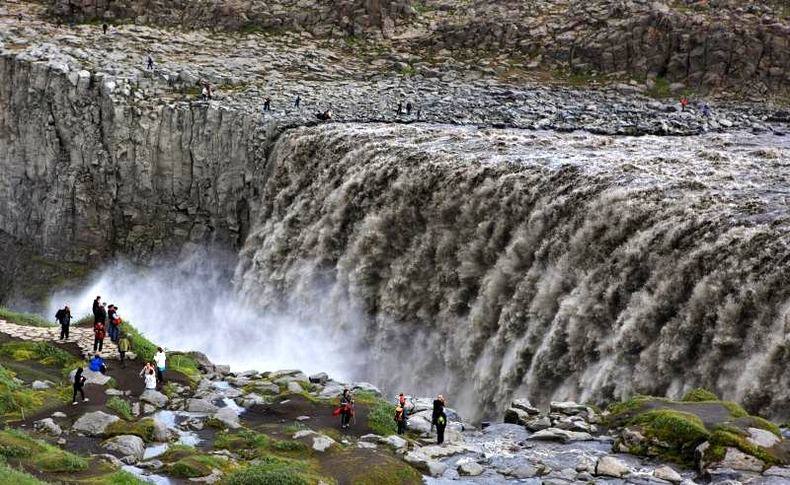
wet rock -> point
(319, 378)
(38, 385)
(421, 462)
(161, 433)
(738, 460)
(524, 405)
(610, 466)
(48, 426)
(434, 452)
(777, 471)
(127, 446)
(564, 436)
(250, 400)
(538, 424)
(761, 437)
(666, 473)
(470, 468)
(94, 423)
(155, 398)
(516, 416)
(570, 408)
(395, 442)
(294, 387)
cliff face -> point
(84, 176)
(711, 46)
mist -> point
(190, 305)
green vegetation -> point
(20, 449)
(120, 477)
(274, 470)
(9, 475)
(188, 462)
(699, 395)
(408, 71)
(121, 407)
(682, 432)
(28, 319)
(735, 409)
(289, 446)
(389, 474)
(144, 429)
(42, 352)
(735, 438)
(660, 88)
(185, 364)
(381, 418)
(144, 348)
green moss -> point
(390, 474)
(682, 432)
(274, 471)
(120, 477)
(18, 446)
(381, 418)
(735, 409)
(699, 395)
(630, 405)
(289, 446)
(660, 88)
(184, 364)
(143, 428)
(27, 319)
(121, 407)
(144, 348)
(242, 439)
(57, 460)
(194, 466)
(721, 439)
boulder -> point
(565, 436)
(319, 378)
(609, 466)
(161, 434)
(666, 473)
(155, 398)
(367, 387)
(201, 406)
(738, 460)
(250, 400)
(48, 426)
(91, 377)
(38, 385)
(538, 424)
(294, 387)
(777, 471)
(570, 408)
(396, 442)
(434, 452)
(516, 416)
(228, 417)
(470, 468)
(94, 424)
(524, 405)
(418, 460)
(267, 388)
(126, 446)
(322, 442)
(761, 437)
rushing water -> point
(487, 263)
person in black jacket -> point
(79, 384)
(96, 309)
(441, 423)
(63, 316)
(438, 408)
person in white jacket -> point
(160, 359)
(150, 379)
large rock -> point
(322, 443)
(228, 417)
(395, 442)
(319, 378)
(738, 460)
(668, 474)
(201, 406)
(39, 385)
(470, 468)
(126, 446)
(94, 424)
(421, 462)
(294, 387)
(610, 466)
(524, 405)
(48, 426)
(563, 435)
(570, 408)
(91, 377)
(537, 424)
(761, 437)
(516, 416)
(154, 397)
(161, 433)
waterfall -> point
(486, 264)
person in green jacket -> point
(123, 347)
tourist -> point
(441, 423)
(112, 323)
(96, 309)
(63, 316)
(705, 109)
(267, 104)
(104, 28)
(150, 379)
(103, 313)
(97, 364)
(400, 418)
(684, 102)
(98, 337)
(346, 408)
(297, 101)
(400, 107)
(150, 63)
(438, 408)
(204, 93)
(408, 108)
(148, 366)
(79, 384)
(123, 346)
(161, 359)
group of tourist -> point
(107, 317)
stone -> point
(250, 400)
(228, 417)
(58, 414)
(738, 460)
(295, 388)
(609, 466)
(366, 387)
(666, 473)
(424, 464)
(761, 437)
(538, 424)
(396, 442)
(91, 377)
(94, 423)
(161, 433)
(201, 406)
(319, 378)
(524, 405)
(470, 468)
(565, 436)
(114, 392)
(48, 426)
(303, 433)
(322, 443)
(126, 446)
(778, 471)
(155, 398)
(570, 408)
(38, 385)
(516, 416)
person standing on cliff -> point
(267, 104)
(438, 409)
(161, 361)
(400, 108)
(63, 316)
(150, 63)
(441, 423)
(104, 28)
(96, 310)
(98, 336)
(297, 101)
(408, 108)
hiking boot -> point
(74, 403)
(85, 400)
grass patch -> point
(42, 352)
(143, 428)
(721, 439)
(735, 409)
(381, 418)
(699, 395)
(10, 475)
(389, 474)
(120, 477)
(27, 319)
(184, 364)
(275, 471)
(121, 407)
(19, 448)
(289, 446)
(660, 88)
(187, 462)
(144, 348)
(17, 400)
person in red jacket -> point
(98, 336)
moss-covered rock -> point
(145, 429)
(699, 395)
